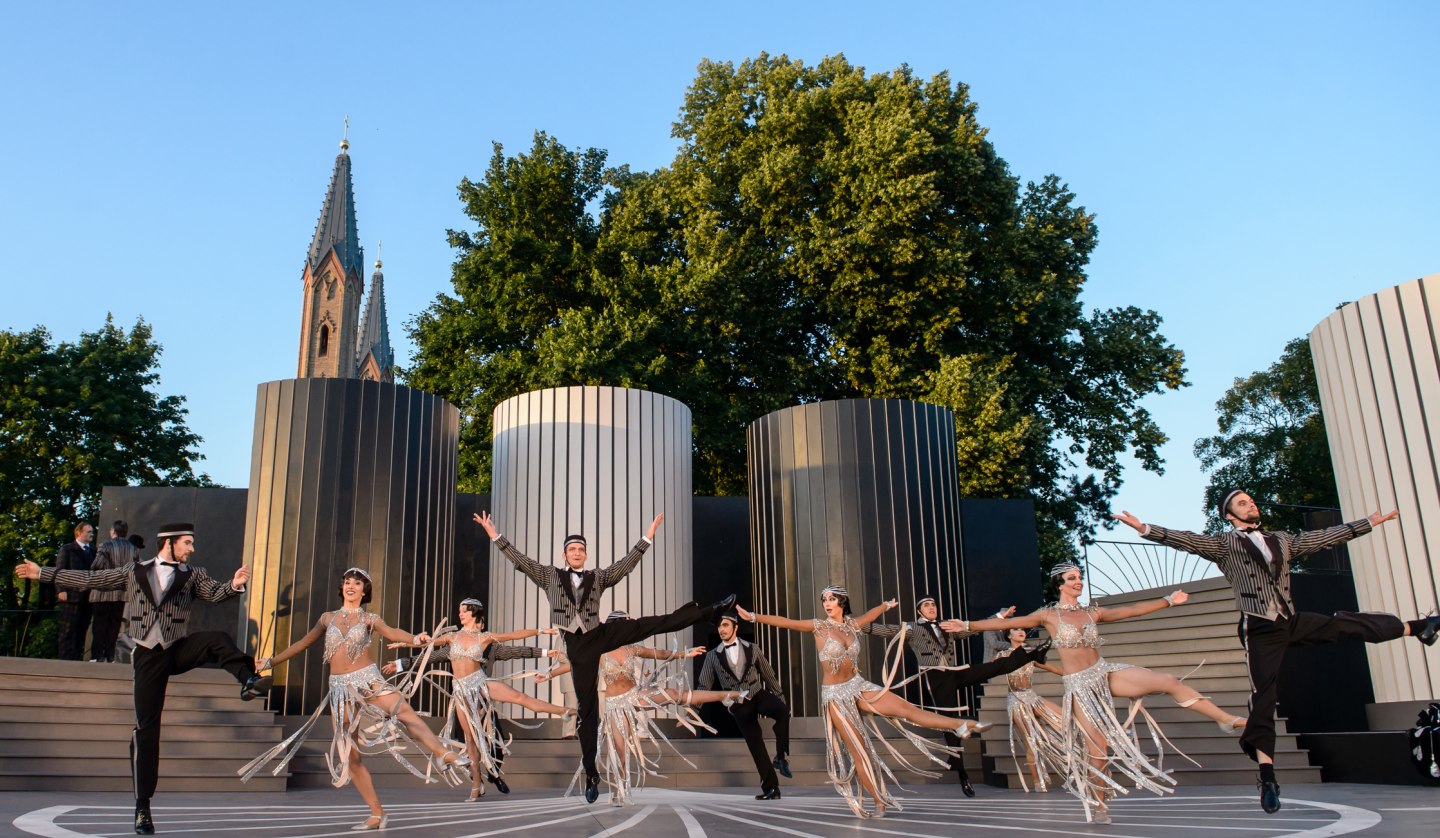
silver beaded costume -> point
(1036, 730)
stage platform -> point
(805, 812)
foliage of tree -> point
(1271, 443)
(821, 233)
(74, 418)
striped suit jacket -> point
(142, 610)
(571, 612)
(1262, 588)
(927, 650)
(115, 553)
(755, 673)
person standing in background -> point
(107, 607)
(74, 603)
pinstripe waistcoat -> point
(570, 611)
(1262, 588)
(142, 611)
(755, 673)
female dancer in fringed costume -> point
(632, 693)
(1091, 682)
(472, 693)
(1036, 724)
(851, 759)
(369, 715)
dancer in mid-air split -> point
(1096, 740)
(367, 713)
(574, 595)
(853, 764)
(1257, 564)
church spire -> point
(334, 277)
(374, 358)
(336, 228)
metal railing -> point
(1119, 567)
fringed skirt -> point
(1037, 733)
(470, 700)
(843, 764)
(359, 725)
(627, 721)
(1087, 695)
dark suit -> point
(755, 674)
(941, 688)
(576, 612)
(108, 607)
(1269, 621)
(75, 608)
(161, 620)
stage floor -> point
(1213, 812)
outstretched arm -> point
(1312, 540)
(539, 574)
(396, 635)
(521, 634)
(610, 576)
(1209, 547)
(1029, 621)
(778, 622)
(1139, 609)
(294, 648)
(667, 654)
(874, 613)
(884, 630)
(553, 673)
(105, 580)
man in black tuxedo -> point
(740, 665)
(108, 607)
(159, 594)
(74, 602)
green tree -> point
(74, 418)
(822, 233)
(1271, 443)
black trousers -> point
(584, 650)
(153, 668)
(942, 689)
(1265, 643)
(104, 628)
(74, 622)
(747, 717)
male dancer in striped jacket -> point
(1257, 565)
(158, 596)
(574, 595)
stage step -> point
(67, 725)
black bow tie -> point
(169, 564)
(732, 644)
(1250, 530)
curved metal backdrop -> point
(602, 462)
(1378, 364)
(346, 473)
(861, 493)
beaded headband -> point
(475, 604)
(358, 572)
(836, 590)
(1065, 567)
(616, 615)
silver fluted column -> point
(1376, 361)
(862, 493)
(601, 462)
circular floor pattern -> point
(694, 814)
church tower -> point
(374, 360)
(333, 279)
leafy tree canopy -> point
(74, 418)
(1271, 443)
(821, 233)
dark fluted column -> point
(860, 493)
(346, 473)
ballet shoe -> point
(967, 728)
(476, 792)
(1235, 725)
(379, 823)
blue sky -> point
(1252, 165)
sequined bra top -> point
(841, 644)
(473, 652)
(630, 669)
(1020, 679)
(354, 640)
(1070, 636)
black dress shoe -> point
(499, 783)
(965, 787)
(1269, 796)
(1430, 632)
(256, 686)
(592, 789)
(1041, 651)
(772, 794)
(724, 605)
(144, 825)
(783, 766)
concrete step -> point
(76, 700)
(71, 782)
(120, 731)
(1195, 777)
